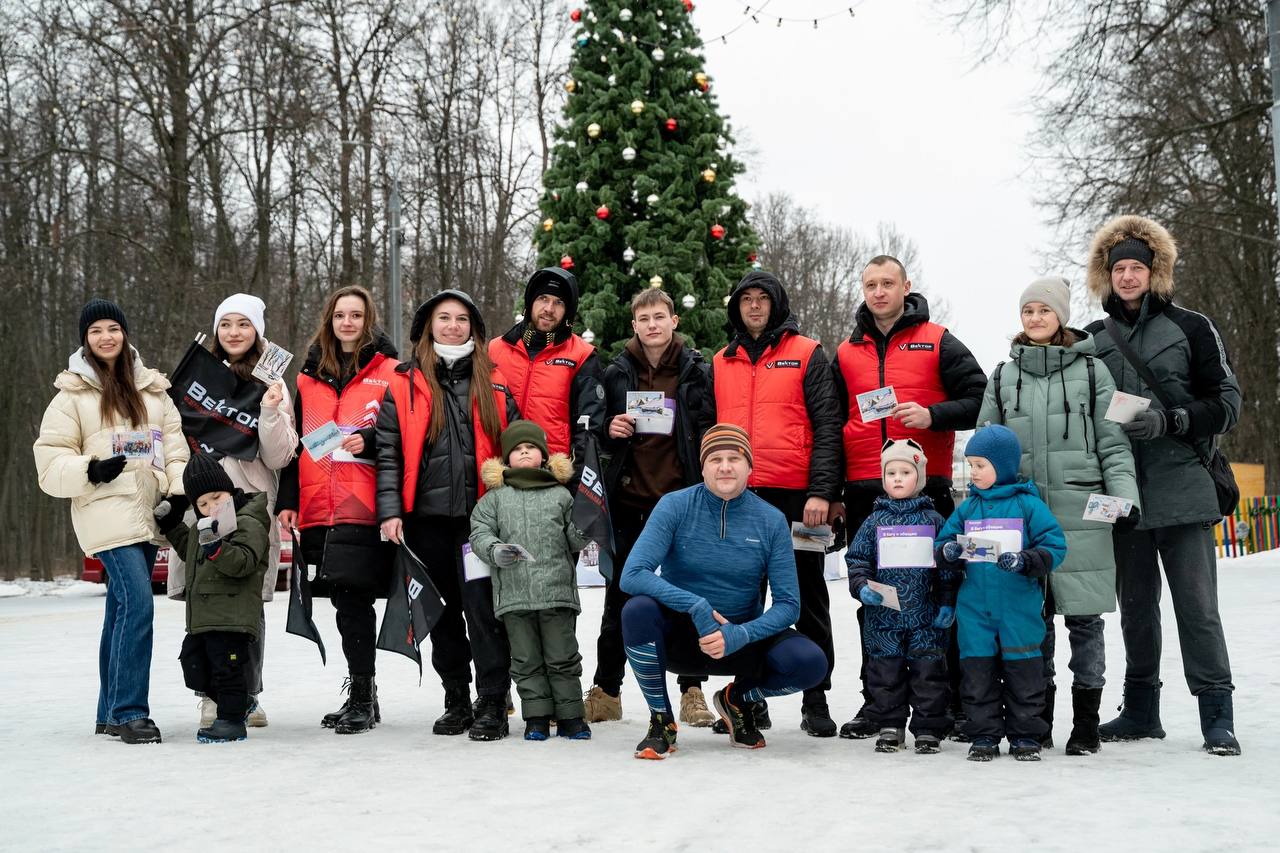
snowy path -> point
(296, 786)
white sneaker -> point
(208, 712)
(257, 717)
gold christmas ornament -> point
(593, 130)
(570, 86)
(656, 281)
(701, 79)
(637, 106)
(548, 224)
(709, 175)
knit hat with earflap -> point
(521, 432)
(998, 445)
(202, 475)
(904, 450)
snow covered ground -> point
(294, 785)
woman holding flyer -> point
(327, 491)
(239, 326)
(441, 419)
(1055, 395)
(111, 441)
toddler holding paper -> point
(1019, 542)
(523, 527)
(905, 643)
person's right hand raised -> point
(622, 426)
(393, 529)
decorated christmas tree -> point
(640, 188)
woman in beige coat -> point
(111, 441)
(239, 325)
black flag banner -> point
(219, 412)
(414, 607)
(300, 621)
(591, 507)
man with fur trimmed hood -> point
(1130, 272)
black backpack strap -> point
(1093, 385)
(995, 380)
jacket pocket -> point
(1082, 478)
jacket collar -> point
(1004, 490)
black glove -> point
(170, 511)
(1129, 522)
(105, 470)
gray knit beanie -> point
(1052, 290)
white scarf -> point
(451, 353)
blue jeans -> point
(124, 653)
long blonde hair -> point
(481, 392)
(327, 341)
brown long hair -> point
(1064, 337)
(481, 392)
(327, 341)
(243, 367)
(119, 393)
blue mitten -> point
(1011, 561)
(946, 617)
(870, 596)
(952, 551)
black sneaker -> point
(537, 728)
(859, 728)
(983, 749)
(573, 728)
(221, 731)
(661, 739)
(759, 712)
(491, 719)
(135, 731)
(1025, 749)
(815, 718)
(739, 722)
(928, 745)
(890, 740)
(458, 715)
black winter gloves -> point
(105, 470)
(170, 511)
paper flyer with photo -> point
(889, 593)
(133, 445)
(1125, 407)
(1106, 508)
(977, 549)
(272, 364)
(473, 568)
(654, 412)
(904, 546)
(157, 450)
(1007, 532)
(818, 538)
(225, 515)
(323, 440)
(876, 405)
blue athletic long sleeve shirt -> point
(713, 555)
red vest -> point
(911, 367)
(541, 387)
(767, 400)
(415, 418)
(340, 492)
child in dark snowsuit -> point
(905, 648)
(999, 608)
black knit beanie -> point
(100, 309)
(203, 475)
(1131, 249)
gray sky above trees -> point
(887, 117)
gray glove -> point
(1155, 423)
(207, 530)
(505, 556)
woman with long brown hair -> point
(111, 441)
(441, 419)
(329, 496)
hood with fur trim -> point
(493, 471)
(1122, 228)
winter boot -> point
(573, 728)
(983, 749)
(1139, 716)
(738, 720)
(661, 739)
(257, 717)
(1217, 723)
(1050, 693)
(928, 744)
(537, 728)
(208, 712)
(221, 731)
(693, 708)
(359, 716)
(1025, 749)
(959, 718)
(1084, 721)
(890, 740)
(859, 728)
(491, 719)
(330, 720)
(759, 712)
(136, 731)
(457, 716)
(602, 707)
(815, 716)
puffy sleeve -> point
(277, 436)
(176, 451)
(61, 466)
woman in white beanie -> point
(1054, 396)
(239, 327)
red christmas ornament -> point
(671, 125)
(566, 263)
(706, 87)
(688, 5)
(751, 258)
(602, 212)
(717, 231)
(575, 15)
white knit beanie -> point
(1052, 290)
(246, 304)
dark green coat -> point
(1044, 392)
(225, 593)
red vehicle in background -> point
(94, 572)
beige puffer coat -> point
(107, 515)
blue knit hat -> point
(998, 445)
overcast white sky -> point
(883, 117)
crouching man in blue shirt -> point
(715, 544)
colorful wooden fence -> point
(1254, 527)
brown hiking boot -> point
(601, 707)
(693, 709)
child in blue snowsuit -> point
(998, 612)
(906, 648)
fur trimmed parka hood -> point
(1122, 228)
(493, 470)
